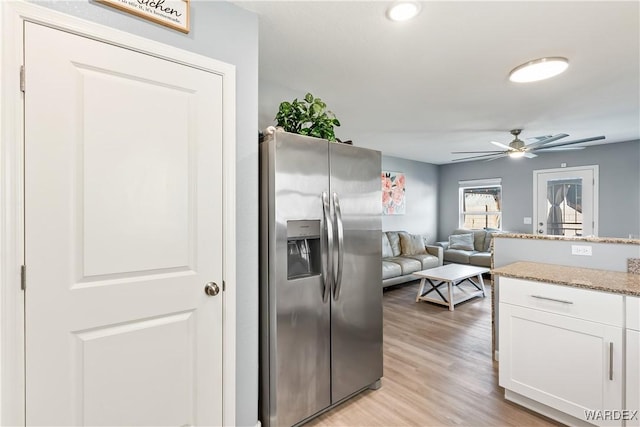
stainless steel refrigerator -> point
(320, 278)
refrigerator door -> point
(356, 314)
(298, 309)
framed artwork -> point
(393, 189)
(170, 13)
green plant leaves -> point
(308, 117)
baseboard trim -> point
(545, 410)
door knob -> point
(540, 231)
(211, 289)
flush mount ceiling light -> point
(403, 10)
(538, 69)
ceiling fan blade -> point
(529, 155)
(501, 145)
(479, 157)
(577, 141)
(474, 152)
(538, 138)
(545, 149)
(546, 141)
(497, 157)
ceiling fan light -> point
(539, 69)
(403, 10)
(516, 154)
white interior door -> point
(123, 223)
(565, 201)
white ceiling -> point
(439, 83)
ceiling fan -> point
(518, 148)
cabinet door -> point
(569, 364)
(633, 378)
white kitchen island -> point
(564, 345)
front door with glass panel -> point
(565, 201)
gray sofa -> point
(474, 250)
(403, 254)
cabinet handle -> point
(611, 361)
(552, 299)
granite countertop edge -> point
(572, 239)
(598, 280)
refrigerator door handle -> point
(340, 230)
(327, 272)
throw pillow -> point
(387, 252)
(394, 241)
(478, 237)
(412, 244)
(461, 241)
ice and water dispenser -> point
(303, 248)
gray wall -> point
(606, 255)
(227, 33)
(619, 207)
(421, 198)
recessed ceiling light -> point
(538, 69)
(403, 10)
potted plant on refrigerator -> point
(307, 117)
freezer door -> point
(299, 311)
(356, 314)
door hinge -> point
(22, 78)
(23, 277)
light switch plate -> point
(581, 250)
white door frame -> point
(12, 16)
(596, 172)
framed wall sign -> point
(170, 13)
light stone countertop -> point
(587, 278)
(575, 239)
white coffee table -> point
(453, 276)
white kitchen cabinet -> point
(633, 361)
(557, 350)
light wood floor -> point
(438, 370)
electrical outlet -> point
(581, 250)
(527, 220)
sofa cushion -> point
(427, 260)
(408, 265)
(394, 240)
(478, 237)
(412, 244)
(458, 256)
(481, 259)
(386, 247)
(461, 241)
(390, 269)
(487, 239)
